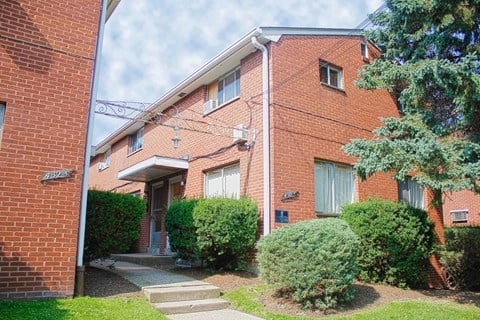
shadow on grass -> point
(33, 310)
(461, 297)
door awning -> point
(152, 168)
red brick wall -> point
(459, 201)
(46, 58)
(309, 121)
(312, 121)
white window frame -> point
(136, 141)
(330, 69)
(410, 192)
(364, 50)
(329, 190)
(224, 189)
(236, 87)
(107, 157)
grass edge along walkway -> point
(80, 309)
(246, 299)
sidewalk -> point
(144, 276)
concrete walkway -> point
(144, 276)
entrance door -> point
(156, 219)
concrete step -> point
(180, 293)
(189, 306)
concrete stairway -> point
(185, 297)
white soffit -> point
(152, 168)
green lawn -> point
(246, 299)
(80, 309)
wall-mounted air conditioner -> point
(209, 106)
(459, 215)
(102, 166)
(240, 134)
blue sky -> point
(151, 45)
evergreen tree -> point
(430, 65)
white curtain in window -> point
(343, 186)
(213, 183)
(416, 194)
(232, 182)
(323, 188)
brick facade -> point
(310, 121)
(46, 56)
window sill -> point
(222, 105)
(325, 215)
(133, 152)
(332, 87)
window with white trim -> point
(364, 50)
(331, 75)
(136, 141)
(106, 160)
(410, 192)
(334, 187)
(2, 118)
(223, 90)
(223, 182)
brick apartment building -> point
(47, 59)
(291, 87)
(267, 119)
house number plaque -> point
(58, 174)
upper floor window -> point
(136, 141)
(222, 91)
(2, 118)
(330, 75)
(334, 187)
(223, 182)
(410, 192)
(106, 160)
(364, 50)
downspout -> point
(80, 271)
(266, 136)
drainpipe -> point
(266, 136)
(80, 271)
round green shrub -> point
(396, 241)
(314, 260)
(460, 257)
(113, 223)
(181, 230)
(226, 231)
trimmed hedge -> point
(396, 241)
(226, 231)
(314, 260)
(460, 257)
(113, 223)
(181, 229)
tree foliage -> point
(430, 66)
